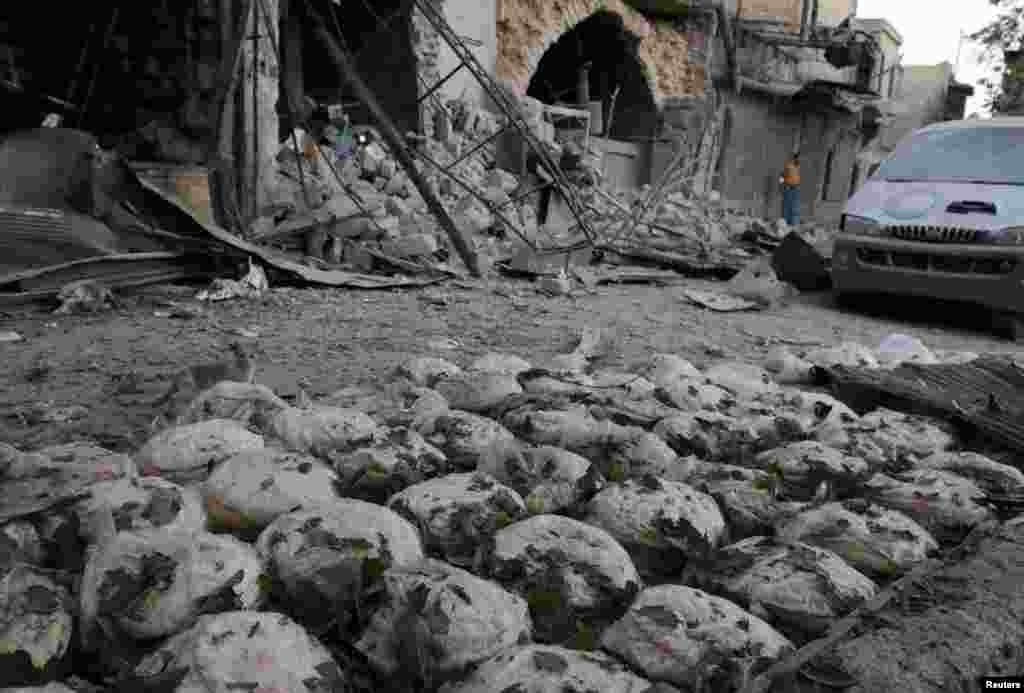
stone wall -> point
(527, 28)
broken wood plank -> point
(791, 665)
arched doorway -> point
(603, 41)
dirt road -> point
(324, 340)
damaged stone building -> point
(742, 83)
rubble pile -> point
(351, 204)
(488, 526)
(354, 205)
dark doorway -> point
(384, 56)
(602, 40)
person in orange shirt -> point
(791, 190)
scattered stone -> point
(661, 523)
(155, 583)
(692, 639)
(750, 506)
(425, 371)
(549, 479)
(878, 542)
(139, 503)
(463, 437)
(799, 589)
(575, 577)
(36, 481)
(947, 505)
(458, 512)
(848, 354)
(323, 561)
(743, 380)
(664, 369)
(227, 651)
(36, 626)
(694, 394)
(451, 616)
(250, 490)
(800, 468)
(477, 392)
(398, 460)
(323, 431)
(991, 476)
(551, 669)
(500, 364)
(189, 453)
(891, 441)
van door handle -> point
(968, 206)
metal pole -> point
(255, 114)
(96, 68)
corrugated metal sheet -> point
(986, 395)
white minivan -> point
(942, 217)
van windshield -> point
(982, 155)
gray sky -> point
(931, 31)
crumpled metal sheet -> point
(986, 395)
(282, 262)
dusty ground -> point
(327, 339)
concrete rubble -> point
(531, 541)
(359, 211)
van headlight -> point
(1013, 235)
(860, 226)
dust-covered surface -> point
(97, 375)
(963, 622)
(618, 367)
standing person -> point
(791, 190)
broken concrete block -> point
(371, 158)
(664, 369)
(359, 257)
(397, 207)
(418, 245)
(388, 168)
(398, 185)
(554, 286)
(799, 263)
(499, 178)
(849, 354)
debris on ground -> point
(678, 526)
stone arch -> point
(528, 28)
(602, 40)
